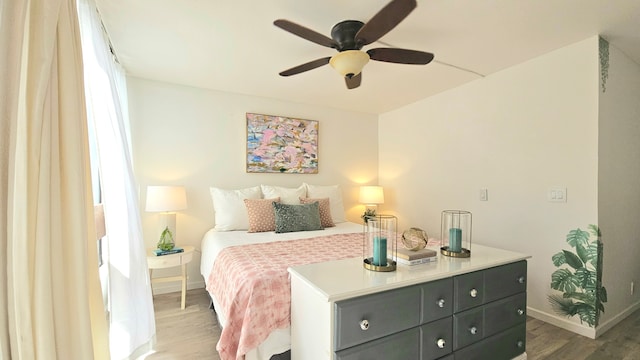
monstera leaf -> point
(573, 260)
(578, 236)
(563, 280)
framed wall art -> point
(279, 144)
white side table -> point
(168, 261)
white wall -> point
(619, 188)
(517, 133)
(197, 138)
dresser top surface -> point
(343, 279)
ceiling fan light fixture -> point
(349, 62)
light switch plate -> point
(557, 194)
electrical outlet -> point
(632, 287)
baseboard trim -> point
(175, 286)
(562, 323)
(604, 327)
(580, 329)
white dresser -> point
(454, 308)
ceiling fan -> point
(349, 36)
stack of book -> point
(175, 250)
(411, 257)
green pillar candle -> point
(455, 239)
(380, 251)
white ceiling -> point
(233, 45)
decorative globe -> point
(414, 239)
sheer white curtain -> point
(130, 303)
(51, 306)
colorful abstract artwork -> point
(278, 144)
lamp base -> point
(464, 253)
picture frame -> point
(281, 144)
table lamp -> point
(166, 200)
(371, 196)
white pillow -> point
(289, 196)
(230, 211)
(334, 193)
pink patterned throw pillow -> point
(325, 210)
(261, 215)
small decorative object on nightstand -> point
(380, 243)
(456, 233)
(166, 240)
(167, 261)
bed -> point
(245, 270)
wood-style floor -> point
(188, 334)
(192, 333)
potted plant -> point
(368, 213)
(579, 277)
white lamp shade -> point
(371, 195)
(166, 198)
(349, 62)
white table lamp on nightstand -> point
(371, 197)
(166, 200)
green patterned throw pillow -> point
(290, 218)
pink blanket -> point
(252, 285)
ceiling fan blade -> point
(306, 66)
(400, 56)
(385, 20)
(305, 33)
(354, 81)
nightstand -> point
(168, 261)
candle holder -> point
(380, 242)
(455, 236)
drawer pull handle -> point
(520, 343)
(520, 312)
(473, 330)
(364, 324)
(441, 343)
(440, 303)
(473, 293)
(521, 279)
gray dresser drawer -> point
(505, 313)
(437, 300)
(505, 280)
(468, 327)
(385, 313)
(468, 290)
(437, 339)
(503, 346)
(403, 345)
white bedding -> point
(214, 242)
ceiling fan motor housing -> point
(344, 34)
